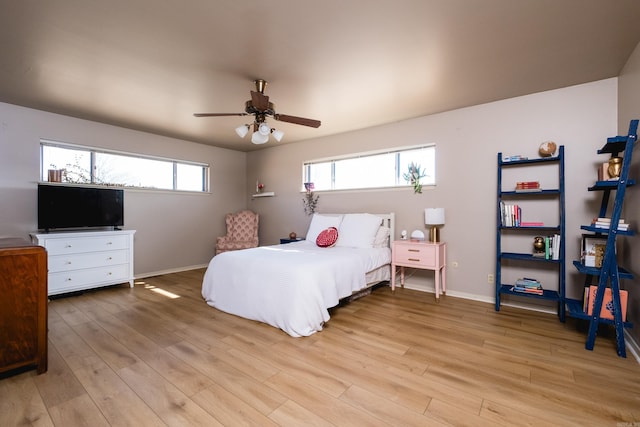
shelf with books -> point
(605, 301)
(510, 222)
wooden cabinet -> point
(423, 255)
(23, 305)
(85, 260)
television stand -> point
(87, 259)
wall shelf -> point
(267, 194)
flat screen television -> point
(67, 207)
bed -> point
(292, 286)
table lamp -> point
(434, 217)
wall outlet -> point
(490, 278)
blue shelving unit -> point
(558, 195)
(610, 273)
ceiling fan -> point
(260, 107)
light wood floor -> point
(157, 355)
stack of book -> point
(527, 286)
(514, 158)
(606, 223)
(527, 186)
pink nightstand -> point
(423, 255)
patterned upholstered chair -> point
(242, 232)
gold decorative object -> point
(293, 235)
(547, 149)
(538, 245)
(615, 166)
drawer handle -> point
(68, 262)
(68, 279)
(109, 259)
(109, 273)
(68, 245)
(413, 250)
(109, 243)
(414, 259)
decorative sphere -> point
(292, 235)
(547, 149)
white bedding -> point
(288, 286)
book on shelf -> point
(607, 311)
(606, 223)
(528, 286)
(510, 215)
(531, 224)
(514, 158)
(527, 186)
(528, 190)
(551, 248)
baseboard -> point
(632, 346)
(170, 271)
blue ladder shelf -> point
(609, 274)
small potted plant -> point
(413, 176)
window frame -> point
(397, 166)
(93, 151)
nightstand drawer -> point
(422, 256)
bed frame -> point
(388, 220)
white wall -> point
(174, 231)
(579, 117)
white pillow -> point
(358, 230)
(382, 237)
(320, 222)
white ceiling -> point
(150, 64)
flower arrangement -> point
(310, 200)
(414, 175)
(259, 187)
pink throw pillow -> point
(327, 237)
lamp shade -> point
(434, 216)
(264, 129)
(258, 138)
(277, 134)
(242, 131)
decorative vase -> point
(55, 175)
(615, 166)
(538, 245)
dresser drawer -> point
(69, 281)
(423, 256)
(69, 262)
(73, 245)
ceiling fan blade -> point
(259, 100)
(297, 120)
(218, 114)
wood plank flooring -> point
(157, 355)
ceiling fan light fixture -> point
(259, 138)
(242, 131)
(277, 134)
(264, 129)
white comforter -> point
(288, 286)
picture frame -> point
(593, 247)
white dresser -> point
(87, 259)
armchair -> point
(242, 232)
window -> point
(372, 170)
(84, 165)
